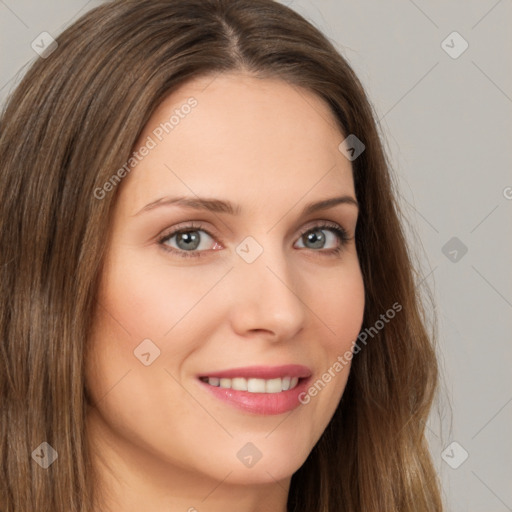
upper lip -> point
(262, 372)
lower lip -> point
(260, 403)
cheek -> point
(151, 299)
(339, 304)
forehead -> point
(240, 135)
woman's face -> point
(257, 291)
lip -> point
(263, 372)
(260, 403)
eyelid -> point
(324, 224)
(184, 227)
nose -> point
(267, 298)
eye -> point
(189, 240)
(194, 240)
(331, 237)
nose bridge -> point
(266, 290)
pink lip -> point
(261, 403)
(263, 372)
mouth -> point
(259, 389)
(254, 385)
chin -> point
(277, 462)
(255, 463)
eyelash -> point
(340, 233)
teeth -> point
(225, 383)
(273, 386)
(254, 385)
(239, 384)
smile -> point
(262, 390)
(254, 385)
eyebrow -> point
(220, 206)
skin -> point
(159, 440)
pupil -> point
(316, 238)
(187, 241)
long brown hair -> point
(71, 123)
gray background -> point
(446, 123)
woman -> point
(208, 301)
